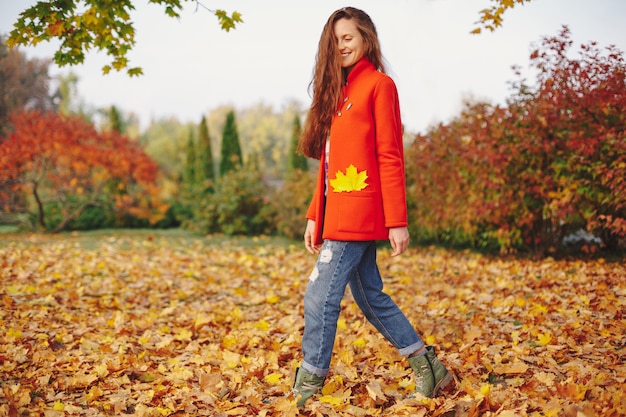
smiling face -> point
(349, 41)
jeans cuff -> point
(406, 351)
(315, 371)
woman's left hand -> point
(399, 239)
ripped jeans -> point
(339, 264)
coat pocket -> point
(357, 212)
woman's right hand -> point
(309, 238)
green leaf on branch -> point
(228, 22)
(84, 24)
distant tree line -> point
(543, 174)
(64, 166)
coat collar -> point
(362, 65)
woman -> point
(354, 129)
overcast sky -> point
(191, 66)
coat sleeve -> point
(390, 152)
(310, 214)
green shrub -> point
(290, 202)
(93, 217)
(239, 205)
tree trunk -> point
(61, 226)
(40, 213)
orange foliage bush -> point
(65, 163)
(526, 175)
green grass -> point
(93, 239)
(5, 228)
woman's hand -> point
(309, 238)
(399, 239)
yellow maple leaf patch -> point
(352, 180)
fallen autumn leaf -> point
(124, 329)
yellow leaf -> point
(273, 378)
(352, 180)
(262, 325)
(101, 370)
(551, 410)
(12, 290)
(58, 406)
(94, 393)
(538, 310)
(272, 298)
(180, 373)
(237, 315)
(229, 341)
(14, 333)
(360, 342)
(183, 334)
(405, 382)
(163, 411)
(346, 356)
(341, 324)
(329, 399)
(332, 385)
(232, 359)
(515, 336)
(544, 338)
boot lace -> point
(309, 386)
(419, 377)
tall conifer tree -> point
(190, 166)
(115, 120)
(231, 149)
(206, 169)
(296, 159)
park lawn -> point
(163, 323)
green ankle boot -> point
(431, 376)
(442, 377)
(306, 385)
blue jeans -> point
(339, 264)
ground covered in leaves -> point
(162, 326)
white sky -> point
(191, 66)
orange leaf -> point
(511, 368)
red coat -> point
(365, 140)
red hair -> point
(328, 77)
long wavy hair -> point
(328, 77)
